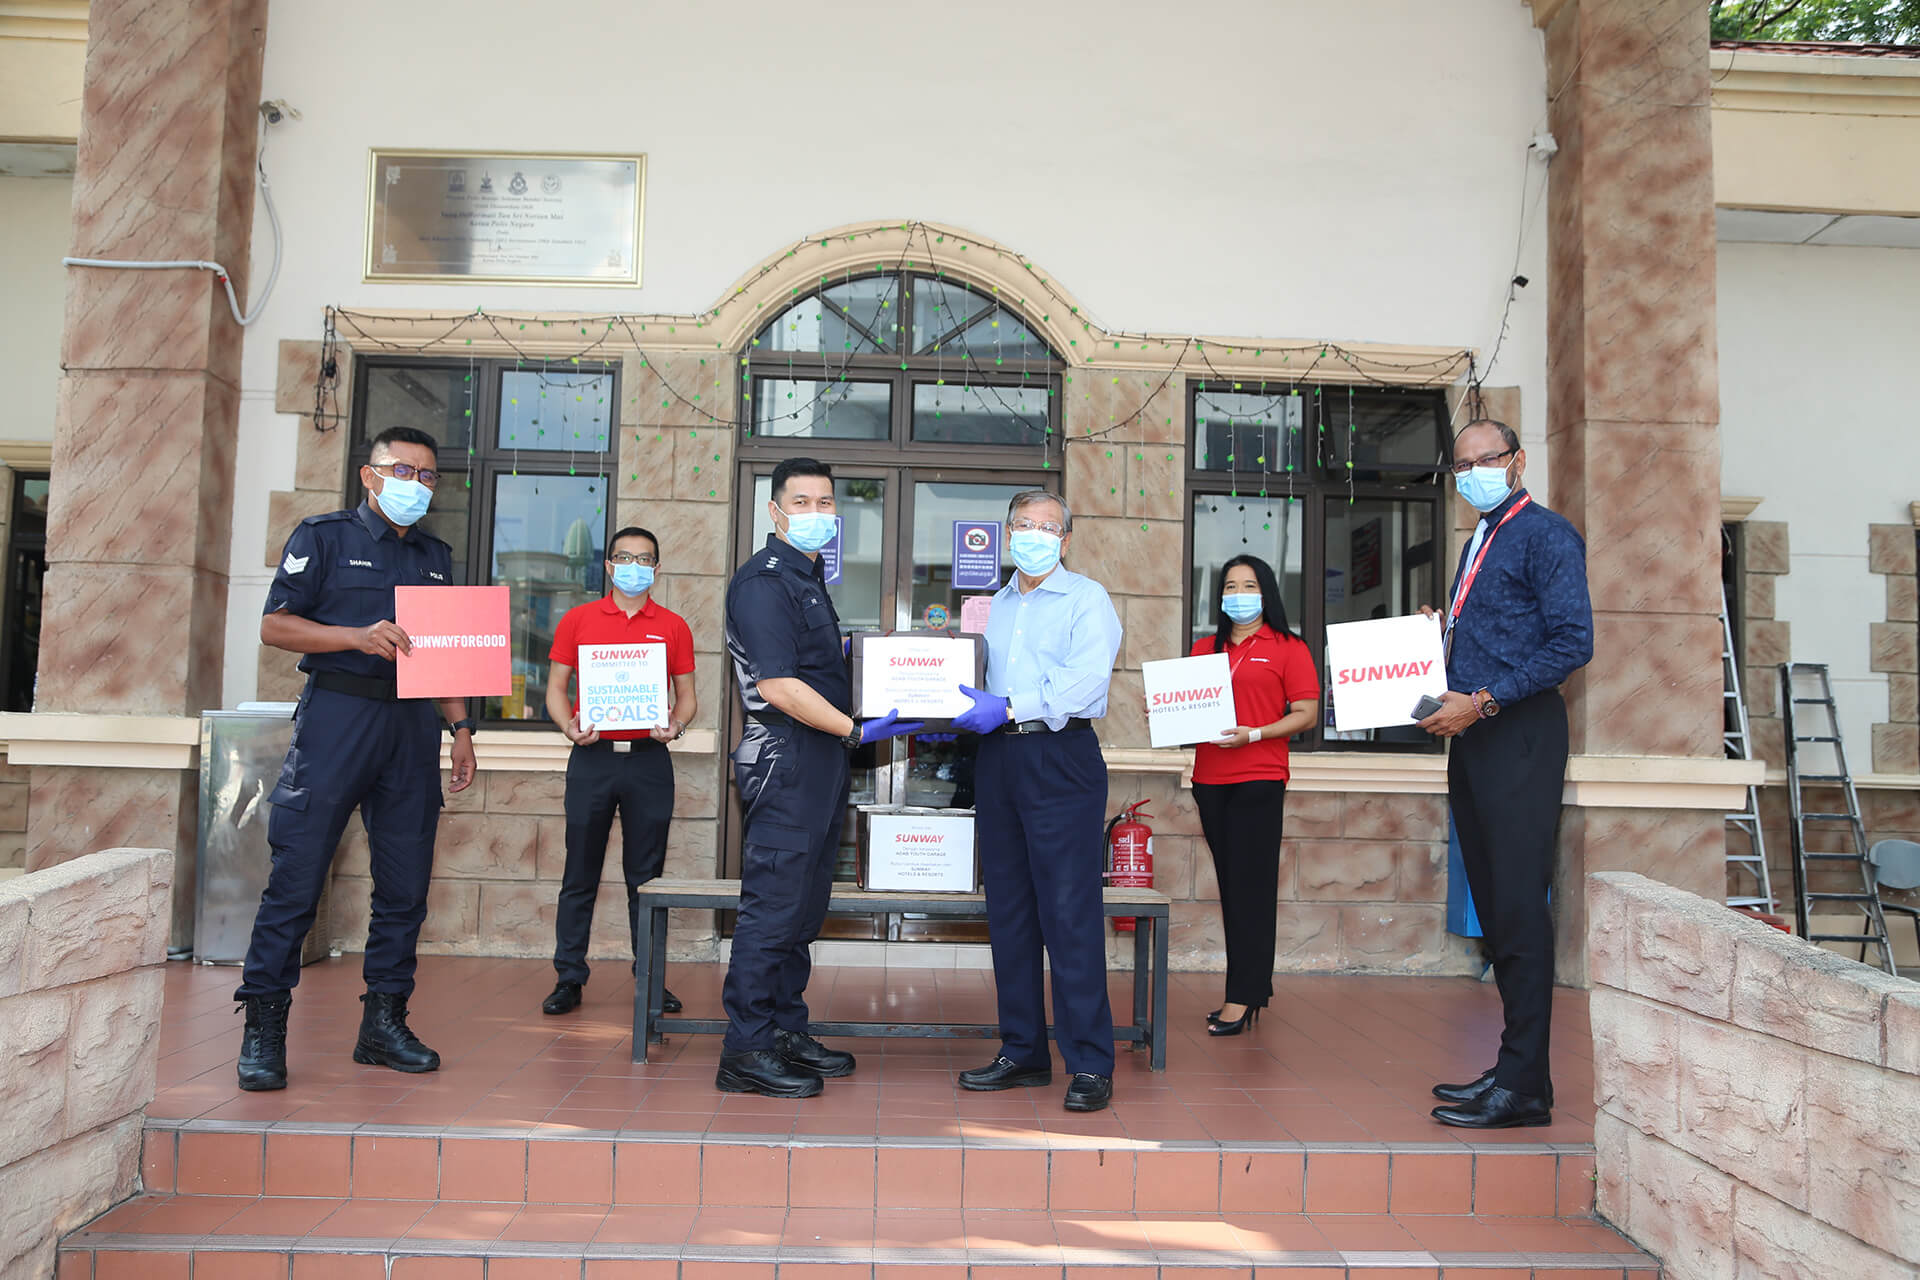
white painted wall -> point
(1819, 420)
(1262, 168)
(36, 228)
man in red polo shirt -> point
(609, 770)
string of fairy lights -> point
(871, 309)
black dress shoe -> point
(385, 1038)
(1468, 1092)
(1089, 1092)
(1221, 1027)
(803, 1051)
(1497, 1108)
(1005, 1073)
(765, 1072)
(565, 998)
(669, 1002)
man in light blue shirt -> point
(1040, 788)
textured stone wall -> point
(14, 787)
(1363, 882)
(1757, 1097)
(81, 949)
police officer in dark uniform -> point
(355, 746)
(791, 769)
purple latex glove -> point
(889, 725)
(988, 712)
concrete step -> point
(1024, 1170)
(324, 1238)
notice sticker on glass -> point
(830, 554)
(976, 555)
(973, 614)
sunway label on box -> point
(623, 686)
(1188, 699)
(930, 852)
(1378, 669)
(460, 642)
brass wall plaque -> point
(505, 217)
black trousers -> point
(1505, 777)
(636, 784)
(1040, 801)
(793, 794)
(1241, 821)
(382, 758)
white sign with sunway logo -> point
(926, 852)
(1188, 699)
(1378, 670)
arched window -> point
(904, 360)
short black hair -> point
(797, 467)
(407, 435)
(1507, 436)
(635, 531)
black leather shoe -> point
(1497, 1108)
(1468, 1092)
(385, 1038)
(1005, 1073)
(263, 1045)
(1089, 1092)
(803, 1051)
(1465, 1092)
(565, 998)
(765, 1072)
(669, 1002)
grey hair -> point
(1507, 437)
(1027, 497)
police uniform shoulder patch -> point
(770, 565)
(295, 564)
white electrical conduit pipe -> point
(233, 303)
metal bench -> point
(657, 897)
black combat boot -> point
(263, 1045)
(385, 1038)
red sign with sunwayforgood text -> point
(461, 645)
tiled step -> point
(296, 1238)
(1024, 1171)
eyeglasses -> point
(1484, 460)
(406, 471)
(627, 557)
(1024, 525)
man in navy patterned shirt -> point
(1518, 623)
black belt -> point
(1041, 726)
(357, 686)
(770, 717)
(621, 745)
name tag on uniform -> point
(362, 564)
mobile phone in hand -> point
(1427, 705)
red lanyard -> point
(1466, 582)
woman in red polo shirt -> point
(1240, 782)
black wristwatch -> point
(852, 740)
(453, 730)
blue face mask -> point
(1484, 488)
(632, 579)
(1035, 552)
(810, 530)
(404, 501)
(1243, 606)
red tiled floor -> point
(1335, 1059)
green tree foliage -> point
(1853, 21)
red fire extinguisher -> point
(1130, 855)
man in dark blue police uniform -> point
(791, 769)
(355, 746)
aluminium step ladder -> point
(1738, 737)
(1844, 827)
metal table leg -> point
(1142, 975)
(657, 993)
(643, 1005)
(1162, 926)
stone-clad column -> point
(142, 499)
(1633, 417)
